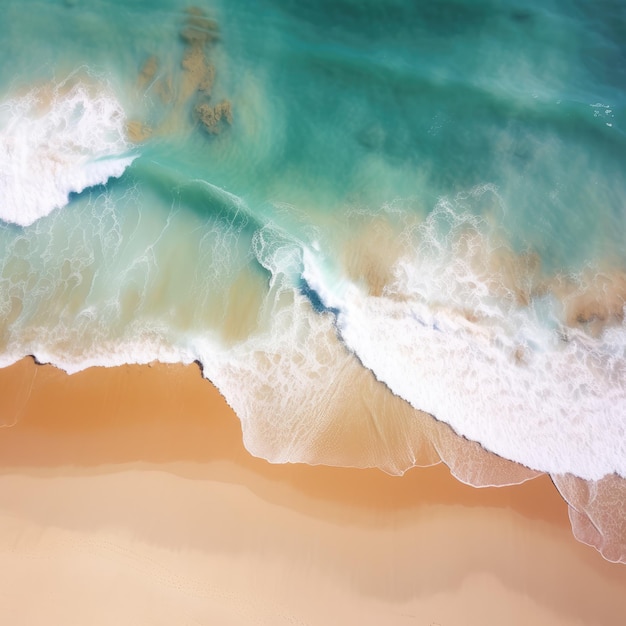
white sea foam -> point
(56, 140)
(447, 334)
(552, 414)
(454, 335)
(450, 338)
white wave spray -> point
(55, 140)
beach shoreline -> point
(133, 483)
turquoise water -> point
(428, 194)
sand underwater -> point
(379, 245)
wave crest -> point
(462, 327)
(56, 140)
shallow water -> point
(348, 212)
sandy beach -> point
(127, 497)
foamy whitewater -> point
(392, 233)
(56, 141)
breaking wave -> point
(55, 140)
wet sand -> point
(126, 497)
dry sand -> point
(126, 497)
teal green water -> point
(366, 102)
(436, 188)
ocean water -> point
(390, 232)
